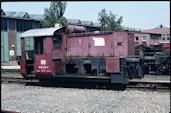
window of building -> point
(163, 37)
(136, 38)
(144, 38)
(20, 25)
(29, 25)
(168, 36)
(23, 25)
(37, 25)
(17, 25)
(26, 25)
(4, 24)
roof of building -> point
(17, 14)
(21, 15)
(147, 33)
(158, 30)
(40, 32)
(84, 23)
(38, 17)
(73, 21)
(2, 12)
(96, 24)
(162, 26)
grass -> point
(158, 78)
(16, 74)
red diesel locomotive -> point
(71, 52)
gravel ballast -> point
(37, 99)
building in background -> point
(165, 34)
(144, 38)
(14, 23)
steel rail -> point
(152, 85)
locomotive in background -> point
(156, 58)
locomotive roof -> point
(40, 32)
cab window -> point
(40, 45)
(57, 41)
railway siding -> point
(153, 85)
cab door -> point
(43, 56)
(23, 59)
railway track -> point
(16, 79)
(144, 85)
(151, 85)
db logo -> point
(43, 62)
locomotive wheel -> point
(166, 70)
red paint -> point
(166, 45)
(120, 50)
(106, 50)
(23, 67)
(57, 67)
(49, 45)
(23, 60)
(113, 65)
(85, 46)
(60, 53)
(77, 46)
(131, 49)
(43, 64)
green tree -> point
(109, 22)
(55, 14)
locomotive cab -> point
(38, 62)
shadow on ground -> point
(77, 84)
